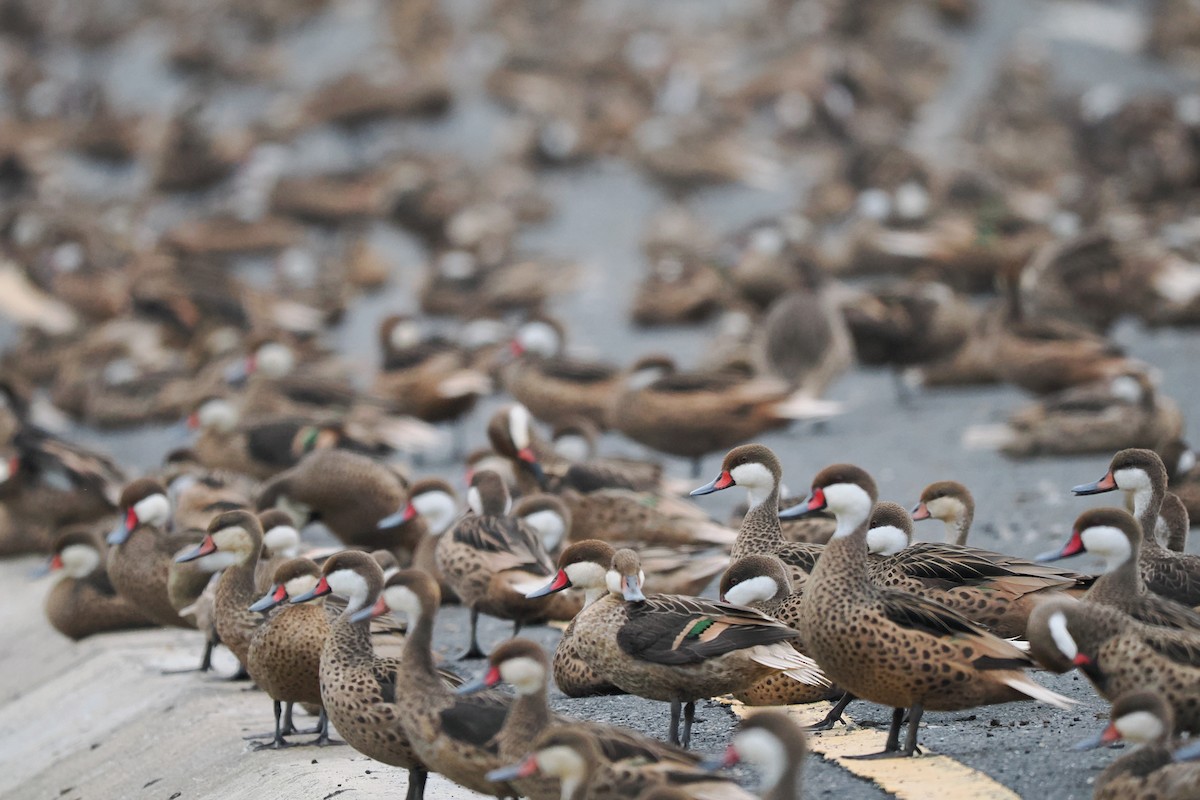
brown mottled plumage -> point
(893, 647)
(1118, 654)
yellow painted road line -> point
(929, 777)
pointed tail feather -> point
(790, 662)
(1037, 692)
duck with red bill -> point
(1106, 484)
(814, 502)
(1109, 736)
(399, 518)
(526, 768)
(730, 759)
(920, 511)
(320, 590)
(370, 612)
(558, 583)
(488, 680)
(722, 481)
(205, 548)
(121, 532)
(1073, 547)
(272, 598)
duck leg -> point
(892, 748)
(676, 707)
(416, 784)
(323, 726)
(834, 715)
(516, 628)
(288, 727)
(205, 660)
(689, 715)
(474, 650)
(278, 743)
(914, 719)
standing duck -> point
(1143, 477)
(284, 657)
(1118, 654)
(555, 387)
(487, 554)
(437, 504)
(451, 734)
(358, 688)
(235, 539)
(353, 495)
(891, 647)
(1151, 772)
(772, 743)
(84, 602)
(675, 648)
(1116, 536)
(584, 773)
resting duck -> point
(353, 495)
(523, 665)
(671, 647)
(84, 602)
(920, 654)
(1116, 536)
(554, 387)
(576, 760)
(1143, 477)
(1118, 654)
(950, 502)
(435, 501)
(1152, 770)
(1183, 477)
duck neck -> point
(418, 648)
(788, 785)
(847, 550)
(762, 519)
(352, 639)
(528, 716)
(958, 526)
(1147, 503)
(238, 580)
(592, 594)
(1176, 536)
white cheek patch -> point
(404, 335)
(612, 579)
(215, 562)
(274, 360)
(765, 752)
(1109, 542)
(588, 575)
(301, 584)
(438, 508)
(850, 503)
(753, 476)
(283, 540)
(1062, 637)
(886, 540)
(754, 590)
(348, 584)
(539, 337)
(403, 600)
(550, 525)
(153, 510)
(562, 763)
(518, 426)
(218, 414)
(1140, 727)
(1132, 479)
(79, 560)
(946, 508)
(525, 674)
(1186, 463)
(474, 501)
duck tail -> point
(790, 662)
(1036, 691)
(801, 406)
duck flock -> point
(209, 207)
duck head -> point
(846, 491)
(1141, 717)
(511, 433)
(1052, 632)
(625, 576)
(76, 554)
(142, 502)
(754, 579)
(280, 537)
(399, 332)
(411, 592)
(752, 466)
(770, 742)
(538, 336)
(575, 440)
(520, 663)
(565, 754)
(215, 413)
(948, 501)
(437, 503)
(487, 495)
(890, 529)
(292, 578)
(1111, 533)
(584, 564)
(1134, 470)
(546, 514)
(234, 537)
(352, 575)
